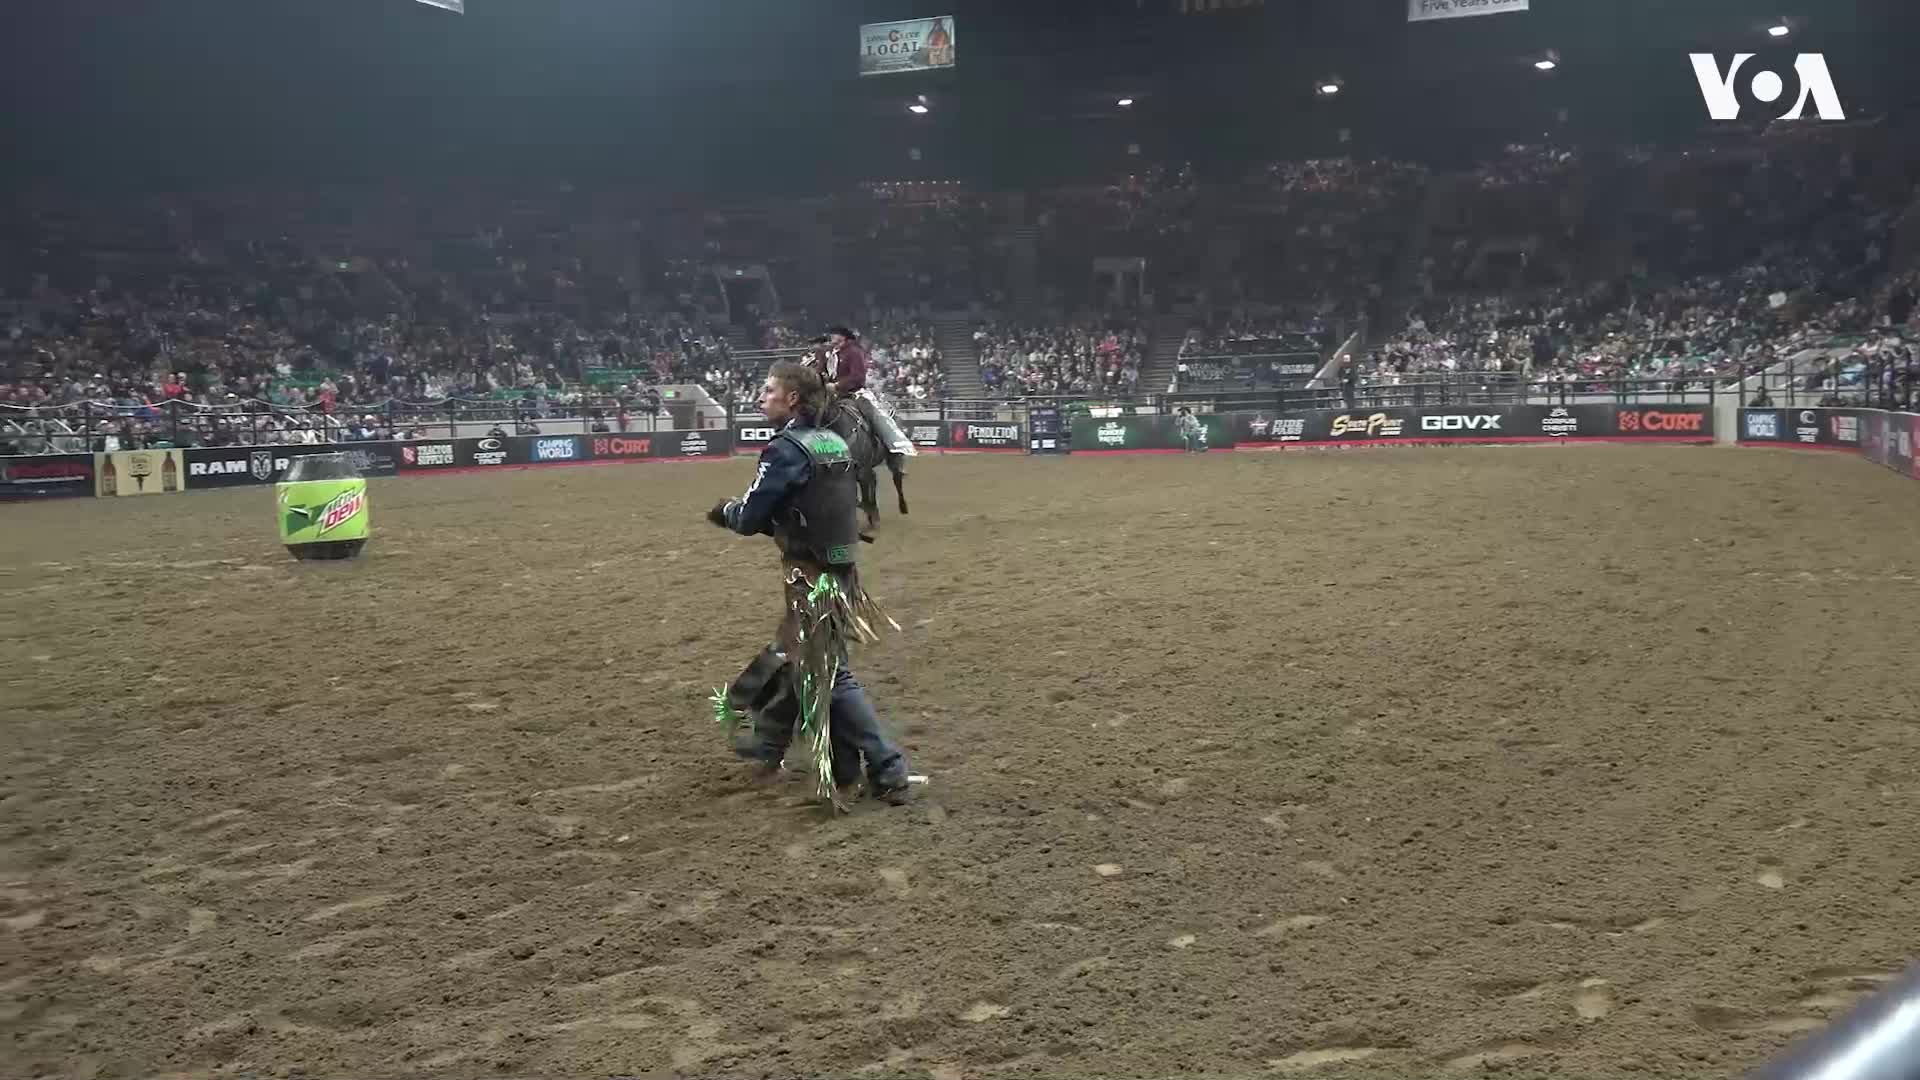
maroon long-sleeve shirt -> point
(849, 365)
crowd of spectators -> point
(1524, 164)
(1099, 356)
(1729, 258)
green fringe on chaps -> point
(824, 618)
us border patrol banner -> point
(914, 45)
(1428, 10)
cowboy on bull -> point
(843, 363)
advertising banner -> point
(751, 435)
(621, 447)
(1259, 428)
(1428, 10)
(1558, 421)
(692, 444)
(911, 45)
(479, 453)
(41, 476)
(235, 466)
(1691, 422)
(139, 472)
(546, 449)
(368, 458)
(1900, 448)
(1763, 425)
(426, 456)
(1838, 429)
(985, 435)
(1378, 424)
(1094, 434)
(1873, 436)
(1047, 430)
(927, 434)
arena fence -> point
(1037, 427)
(1876, 382)
(1881, 436)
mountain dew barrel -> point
(322, 508)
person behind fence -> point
(804, 495)
(846, 373)
(1193, 434)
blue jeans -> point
(855, 733)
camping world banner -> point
(1427, 10)
(914, 45)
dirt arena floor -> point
(1564, 761)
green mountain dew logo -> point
(336, 512)
(343, 507)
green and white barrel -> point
(322, 508)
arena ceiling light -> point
(1329, 87)
(917, 109)
(1544, 65)
(1779, 30)
(1125, 103)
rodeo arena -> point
(1345, 539)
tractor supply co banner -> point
(139, 472)
(913, 45)
(1429, 10)
(45, 476)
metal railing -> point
(84, 426)
(1870, 382)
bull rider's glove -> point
(718, 515)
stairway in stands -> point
(1023, 272)
(1168, 332)
(953, 333)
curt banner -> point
(623, 446)
(42, 476)
(911, 45)
(139, 472)
(1429, 10)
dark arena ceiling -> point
(762, 95)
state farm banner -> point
(913, 45)
(1428, 10)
